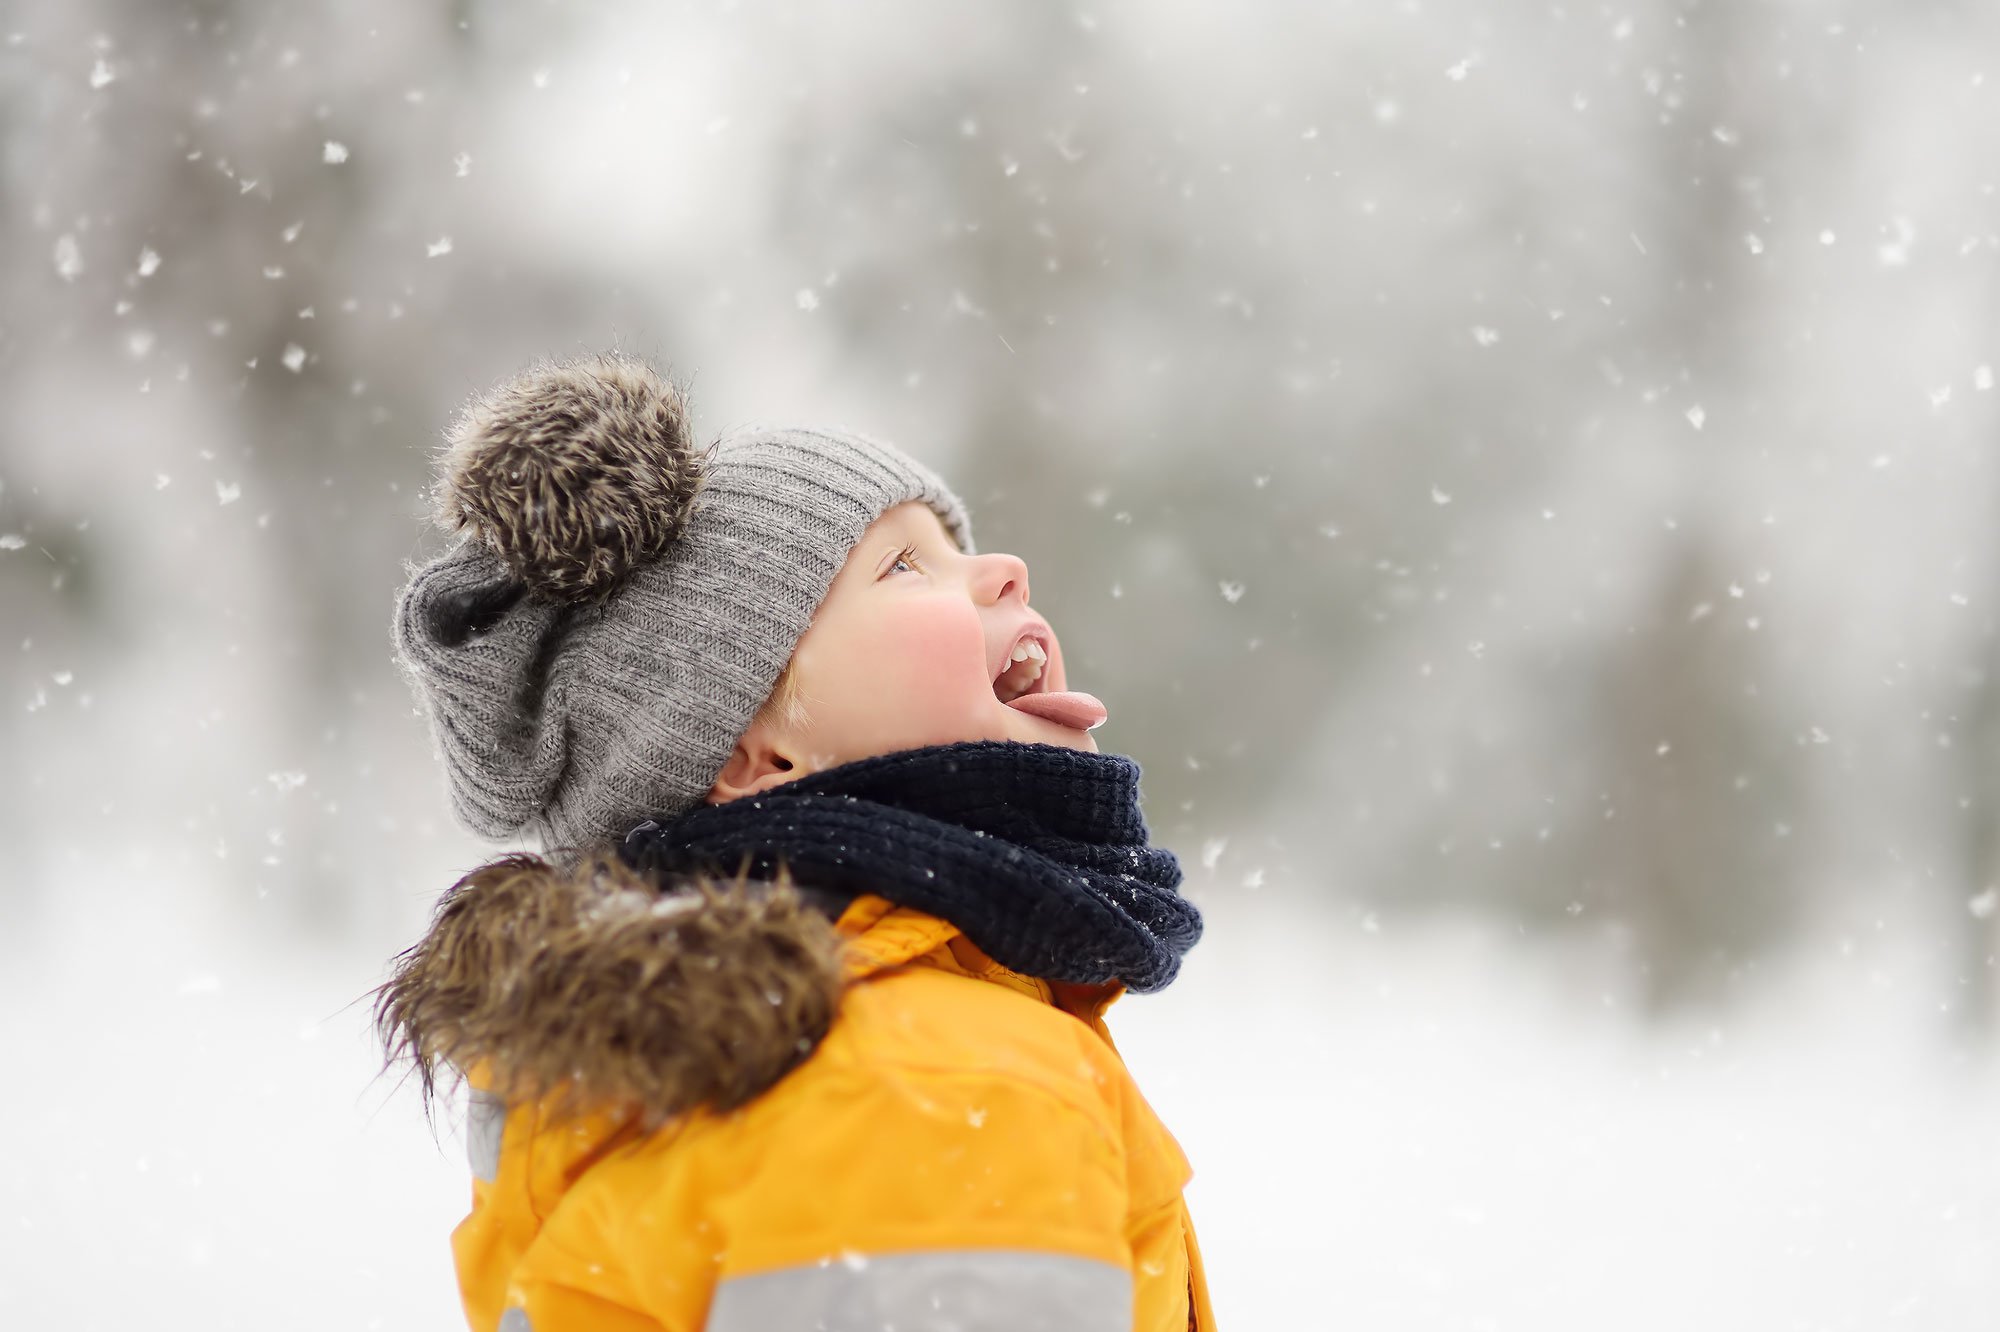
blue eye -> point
(907, 555)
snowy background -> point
(1522, 476)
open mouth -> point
(1026, 671)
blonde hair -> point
(787, 702)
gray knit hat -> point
(621, 603)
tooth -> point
(1035, 651)
(1021, 650)
(1019, 683)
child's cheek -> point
(936, 658)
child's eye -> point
(907, 555)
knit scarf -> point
(1037, 852)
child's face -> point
(904, 652)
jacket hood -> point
(586, 985)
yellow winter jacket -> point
(962, 1148)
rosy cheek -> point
(930, 649)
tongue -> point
(1082, 712)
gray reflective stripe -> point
(516, 1320)
(961, 1290)
(485, 1117)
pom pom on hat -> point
(574, 473)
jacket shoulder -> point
(915, 1050)
(940, 1113)
(918, 1020)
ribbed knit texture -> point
(576, 720)
(1037, 852)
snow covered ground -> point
(1394, 1127)
(1442, 1129)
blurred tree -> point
(1375, 391)
(1690, 839)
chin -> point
(1034, 730)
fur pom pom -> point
(582, 983)
(574, 473)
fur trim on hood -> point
(586, 980)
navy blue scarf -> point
(1036, 851)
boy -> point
(798, 1023)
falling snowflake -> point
(294, 357)
(808, 299)
(101, 74)
(440, 246)
(69, 258)
(1696, 415)
(1232, 592)
(149, 262)
(334, 152)
(1896, 253)
(228, 492)
(1484, 336)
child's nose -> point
(1004, 574)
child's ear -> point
(762, 759)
